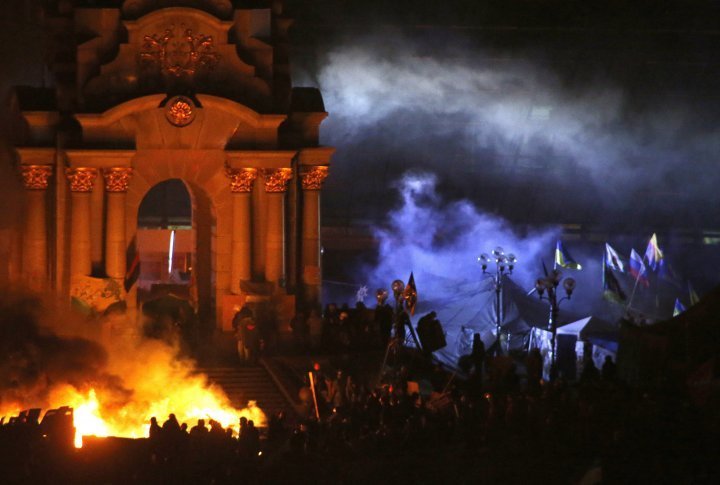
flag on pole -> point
(132, 262)
(694, 298)
(637, 268)
(612, 290)
(613, 259)
(653, 254)
(410, 295)
(679, 307)
(563, 258)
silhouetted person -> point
(609, 370)
(250, 336)
(155, 429)
(253, 439)
(590, 372)
(383, 320)
(199, 431)
(478, 354)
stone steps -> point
(243, 384)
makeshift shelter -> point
(590, 334)
(471, 308)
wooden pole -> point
(312, 388)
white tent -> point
(594, 330)
(470, 307)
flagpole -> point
(632, 295)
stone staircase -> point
(243, 384)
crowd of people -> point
(493, 419)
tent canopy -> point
(595, 330)
(471, 308)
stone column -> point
(116, 185)
(81, 185)
(241, 185)
(312, 180)
(34, 264)
(275, 187)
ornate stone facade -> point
(117, 179)
(180, 111)
(36, 177)
(241, 179)
(313, 177)
(276, 179)
(81, 179)
(220, 103)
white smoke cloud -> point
(509, 107)
(432, 237)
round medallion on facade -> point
(180, 111)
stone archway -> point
(210, 220)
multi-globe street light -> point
(504, 264)
(546, 288)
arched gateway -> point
(200, 92)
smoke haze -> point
(480, 119)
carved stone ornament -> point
(276, 179)
(181, 54)
(117, 178)
(81, 179)
(241, 179)
(180, 111)
(35, 177)
(313, 177)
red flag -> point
(410, 295)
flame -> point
(190, 399)
(142, 378)
(188, 403)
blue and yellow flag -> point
(679, 307)
(653, 253)
(563, 258)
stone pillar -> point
(275, 187)
(116, 185)
(312, 179)
(241, 185)
(34, 264)
(81, 185)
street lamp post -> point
(547, 290)
(504, 264)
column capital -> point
(313, 177)
(81, 178)
(117, 178)
(35, 177)
(276, 179)
(241, 179)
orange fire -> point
(139, 379)
(131, 420)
